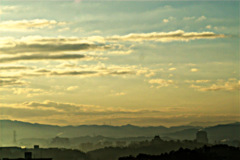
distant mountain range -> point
(29, 130)
(215, 133)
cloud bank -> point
(230, 85)
(178, 35)
(58, 44)
(38, 44)
(77, 114)
(43, 57)
(28, 25)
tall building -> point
(201, 136)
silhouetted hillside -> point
(215, 133)
(228, 131)
(184, 134)
(217, 152)
(155, 147)
(84, 143)
(29, 130)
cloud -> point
(29, 92)
(82, 109)
(7, 9)
(72, 73)
(120, 94)
(178, 35)
(64, 29)
(199, 19)
(112, 70)
(230, 85)
(27, 112)
(161, 82)
(48, 72)
(188, 18)
(165, 20)
(43, 57)
(11, 81)
(72, 88)
(172, 69)
(198, 81)
(121, 72)
(38, 44)
(76, 114)
(150, 74)
(67, 111)
(72, 112)
(202, 18)
(13, 67)
(208, 26)
(14, 78)
(69, 107)
(168, 20)
(202, 81)
(100, 70)
(194, 70)
(190, 64)
(28, 25)
(123, 52)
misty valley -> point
(116, 143)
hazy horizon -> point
(197, 124)
(144, 63)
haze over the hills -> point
(26, 130)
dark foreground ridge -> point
(216, 152)
(156, 146)
(17, 153)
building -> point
(156, 140)
(38, 153)
(28, 156)
(201, 137)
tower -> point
(157, 139)
(201, 137)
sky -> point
(145, 63)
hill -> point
(217, 152)
(34, 130)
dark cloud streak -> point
(42, 57)
(30, 48)
(72, 73)
(7, 82)
(13, 67)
